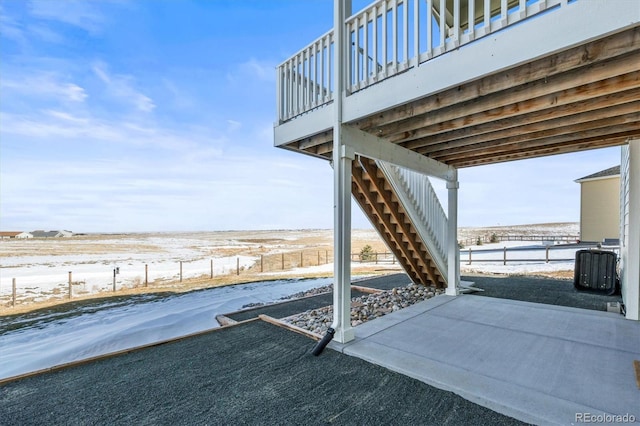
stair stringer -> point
(376, 196)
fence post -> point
(146, 274)
(283, 261)
(237, 266)
(13, 285)
(211, 270)
(505, 255)
(70, 287)
(181, 271)
(262, 263)
(469, 255)
(318, 257)
(114, 280)
(302, 259)
(547, 255)
(376, 258)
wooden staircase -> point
(376, 197)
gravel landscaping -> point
(365, 308)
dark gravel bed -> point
(539, 290)
(385, 282)
(282, 310)
(255, 373)
(292, 307)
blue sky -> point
(123, 116)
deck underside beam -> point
(581, 98)
(371, 146)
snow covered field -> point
(522, 258)
(41, 267)
(78, 335)
(49, 340)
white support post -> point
(342, 161)
(453, 270)
(342, 244)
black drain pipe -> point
(319, 347)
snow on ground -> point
(47, 344)
(41, 267)
(555, 229)
(522, 258)
(45, 279)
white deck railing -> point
(421, 203)
(305, 81)
(391, 36)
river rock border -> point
(365, 308)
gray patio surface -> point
(538, 363)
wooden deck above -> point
(580, 98)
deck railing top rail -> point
(389, 37)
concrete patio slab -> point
(538, 363)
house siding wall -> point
(630, 229)
(600, 209)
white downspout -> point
(453, 263)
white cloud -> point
(47, 85)
(122, 87)
(181, 100)
(74, 92)
(193, 193)
(66, 116)
(233, 125)
(252, 70)
(79, 13)
(51, 124)
(45, 33)
(261, 70)
(11, 28)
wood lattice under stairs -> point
(378, 200)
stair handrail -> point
(420, 201)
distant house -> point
(14, 234)
(600, 205)
(51, 234)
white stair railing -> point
(421, 203)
